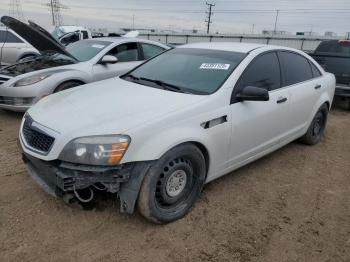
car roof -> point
(225, 46)
(120, 39)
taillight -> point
(344, 42)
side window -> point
(85, 34)
(315, 71)
(125, 52)
(150, 51)
(2, 36)
(296, 68)
(9, 37)
(264, 72)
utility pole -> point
(16, 9)
(277, 13)
(133, 22)
(210, 13)
(55, 8)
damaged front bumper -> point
(66, 180)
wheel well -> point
(204, 151)
(327, 103)
(73, 80)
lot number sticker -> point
(98, 46)
(215, 66)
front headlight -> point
(31, 79)
(96, 150)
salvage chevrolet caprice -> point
(157, 134)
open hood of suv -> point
(35, 35)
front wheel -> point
(172, 184)
(317, 127)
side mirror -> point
(109, 59)
(253, 93)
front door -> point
(258, 126)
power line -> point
(16, 9)
(210, 13)
(277, 12)
(55, 8)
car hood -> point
(35, 35)
(111, 106)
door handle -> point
(282, 100)
(318, 87)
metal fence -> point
(305, 43)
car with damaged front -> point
(59, 68)
(155, 135)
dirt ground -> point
(293, 205)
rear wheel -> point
(66, 86)
(317, 127)
(172, 184)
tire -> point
(66, 86)
(172, 184)
(317, 127)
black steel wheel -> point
(317, 127)
(172, 184)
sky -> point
(230, 16)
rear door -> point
(257, 126)
(128, 55)
(303, 80)
(11, 47)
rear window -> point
(315, 71)
(337, 47)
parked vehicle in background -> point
(188, 116)
(59, 68)
(13, 48)
(69, 34)
(334, 57)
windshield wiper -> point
(164, 85)
(132, 77)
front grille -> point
(36, 139)
(16, 101)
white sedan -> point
(157, 134)
(60, 68)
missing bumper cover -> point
(62, 179)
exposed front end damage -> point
(73, 182)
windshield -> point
(336, 47)
(86, 49)
(190, 70)
(57, 33)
